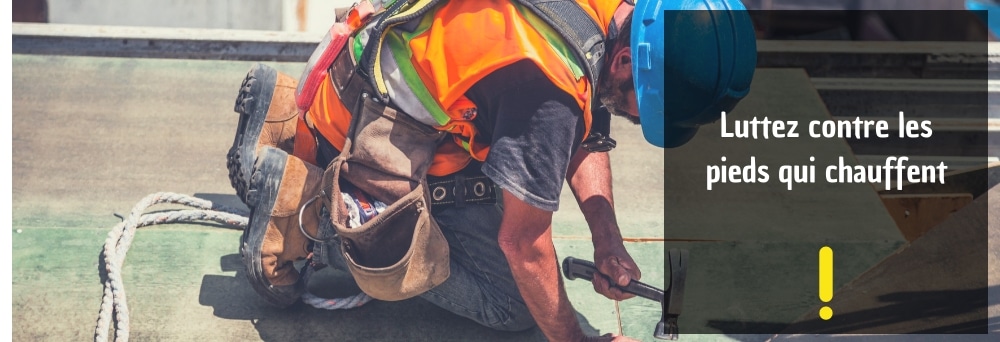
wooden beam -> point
(953, 98)
(915, 214)
(896, 84)
(941, 143)
(937, 284)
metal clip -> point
(598, 142)
(302, 228)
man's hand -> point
(617, 265)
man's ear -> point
(621, 59)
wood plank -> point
(873, 48)
(917, 213)
(938, 284)
(893, 59)
(905, 85)
(947, 143)
(918, 98)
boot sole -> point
(252, 104)
(262, 195)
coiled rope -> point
(114, 306)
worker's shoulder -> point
(523, 74)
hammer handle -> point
(576, 268)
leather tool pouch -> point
(400, 253)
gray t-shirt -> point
(534, 128)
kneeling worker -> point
(520, 102)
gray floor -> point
(92, 136)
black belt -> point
(469, 186)
(473, 186)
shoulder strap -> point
(583, 35)
(400, 11)
(587, 41)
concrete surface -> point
(91, 136)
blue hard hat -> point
(707, 50)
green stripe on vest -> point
(399, 42)
(554, 39)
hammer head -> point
(670, 300)
(666, 329)
(673, 297)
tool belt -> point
(400, 253)
(468, 186)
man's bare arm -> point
(526, 240)
(589, 176)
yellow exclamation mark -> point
(825, 281)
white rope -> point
(332, 303)
(336, 303)
(114, 305)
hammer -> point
(670, 301)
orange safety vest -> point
(454, 46)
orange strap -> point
(315, 72)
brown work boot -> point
(280, 187)
(268, 117)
